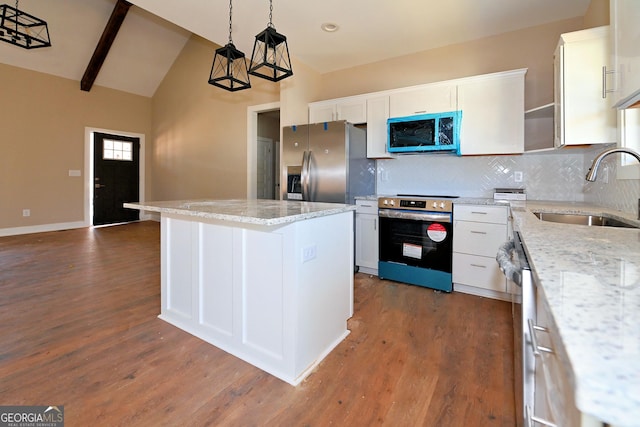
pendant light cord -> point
(270, 13)
(230, 8)
(17, 17)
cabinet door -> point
(352, 111)
(492, 115)
(377, 115)
(625, 15)
(367, 234)
(427, 99)
(583, 113)
(320, 113)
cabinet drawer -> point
(367, 207)
(492, 214)
(477, 238)
(478, 271)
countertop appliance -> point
(424, 133)
(326, 162)
(513, 262)
(416, 240)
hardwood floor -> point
(78, 328)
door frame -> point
(88, 170)
(252, 143)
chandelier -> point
(22, 29)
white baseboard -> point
(43, 228)
(14, 231)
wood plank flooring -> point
(78, 328)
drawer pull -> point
(478, 232)
(366, 206)
(478, 265)
(534, 340)
(478, 212)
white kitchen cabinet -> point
(492, 113)
(554, 396)
(352, 109)
(377, 115)
(367, 236)
(478, 232)
(624, 18)
(432, 98)
(583, 107)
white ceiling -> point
(370, 31)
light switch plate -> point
(74, 172)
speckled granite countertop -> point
(258, 212)
(590, 277)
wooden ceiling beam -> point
(106, 40)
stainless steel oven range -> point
(416, 240)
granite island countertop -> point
(590, 277)
(248, 211)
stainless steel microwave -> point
(424, 133)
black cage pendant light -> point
(21, 29)
(229, 69)
(270, 59)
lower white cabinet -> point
(367, 236)
(478, 232)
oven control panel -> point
(433, 205)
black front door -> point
(116, 161)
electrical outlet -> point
(26, 212)
(517, 176)
(308, 253)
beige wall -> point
(42, 127)
(200, 131)
(530, 48)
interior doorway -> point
(263, 151)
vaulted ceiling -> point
(154, 31)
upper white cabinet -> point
(583, 113)
(433, 98)
(353, 110)
(492, 113)
(377, 115)
(625, 16)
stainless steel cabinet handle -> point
(478, 265)
(534, 340)
(478, 212)
(605, 91)
(478, 232)
(367, 206)
(375, 224)
(530, 419)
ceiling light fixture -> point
(229, 68)
(329, 27)
(22, 29)
(270, 59)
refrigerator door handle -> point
(304, 175)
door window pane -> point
(117, 150)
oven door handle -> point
(418, 216)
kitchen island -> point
(270, 282)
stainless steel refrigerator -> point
(326, 162)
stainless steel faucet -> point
(593, 170)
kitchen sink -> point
(578, 219)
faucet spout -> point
(593, 170)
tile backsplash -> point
(553, 175)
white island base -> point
(277, 296)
